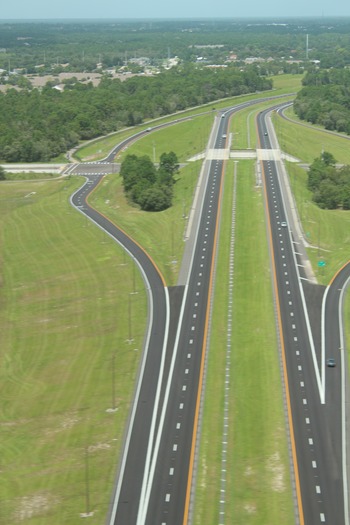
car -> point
(224, 136)
(223, 115)
(265, 133)
(331, 362)
(284, 224)
(149, 129)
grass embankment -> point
(258, 487)
(10, 176)
(306, 143)
(326, 230)
(62, 319)
(161, 234)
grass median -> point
(258, 489)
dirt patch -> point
(275, 466)
(99, 446)
(250, 508)
(65, 423)
(35, 505)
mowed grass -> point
(243, 125)
(161, 234)
(327, 231)
(12, 176)
(307, 142)
(186, 139)
(65, 292)
(258, 489)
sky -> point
(114, 9)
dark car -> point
(331, 362)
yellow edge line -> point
(125, 233)
(338, 272)
(285, 374)
(200, 384)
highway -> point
(174, 349)
(314, 393)
(155, 472)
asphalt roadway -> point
(174, 349)
(309, 334)
(155, 473)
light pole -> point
(88, 513)
(130, 338)
(154, 153)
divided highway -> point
(155, 473)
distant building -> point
(253, 60)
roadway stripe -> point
(285, 374)
(201, 374)
(338, 272)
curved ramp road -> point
(146, 394)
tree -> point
(154, 199)
(328, 159)
(2, 173)
(169, 162)
(322, 168)
(328, 195)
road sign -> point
(321, 263)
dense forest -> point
(39, 125)
(325, 99)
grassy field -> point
(243, 126)
(307, 143)
(30, 176)
(64, 286)
(327, 231)
(160, 233)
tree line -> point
(330, 185)
(39, 125)
(325, 99)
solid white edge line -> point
(323, 337)
(344, 455)
(146, 473)
(141, 518)
(144, 359)
(306, 315)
